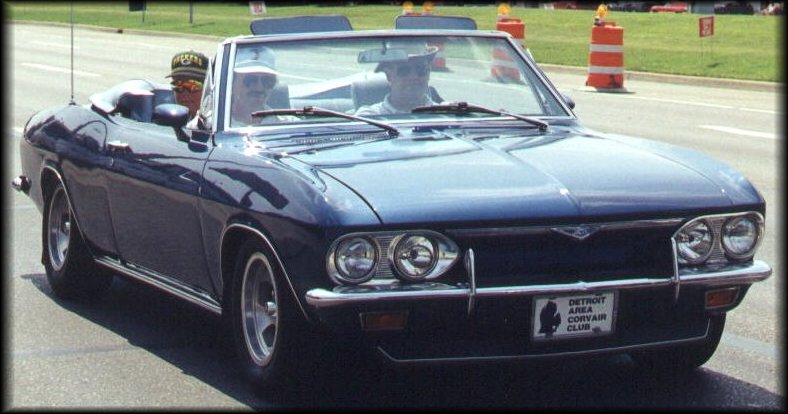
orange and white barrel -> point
(606, 57)
(503, 66)
(439, 61)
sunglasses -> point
(419, 70)
(268, 82)
(189, 85)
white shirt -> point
(386, 108)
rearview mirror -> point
(383, 55)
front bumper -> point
(462, 323)
(745, 274)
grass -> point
(743, 47)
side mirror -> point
(568, 100)
(173, 115)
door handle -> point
(118, 147)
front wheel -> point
(70, 269)
(685, 357)
(268, 330)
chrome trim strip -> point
(613, 350)
(676, 274)
(276, 256)
(164, 283)
(737, 274)
(470, 267)
(541, 229)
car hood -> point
(561, 176)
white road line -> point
(765, 111)
(676, 101)
(708, 105)
(59, 69)
(63, 45)
(751, 345)
(738, 131)
(22, 207)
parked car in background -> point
(573, 5)
(632, 6)
(773, 9)
(670, 7)
(482, 223)
(734, 7)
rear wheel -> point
(270, 333)
(685, 357)
(70, 269)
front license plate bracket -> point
(580, 315)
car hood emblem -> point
(577, 232)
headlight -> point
(740, 236)
(414, 257)
(379, 257)
(354, 260)
(695, 242)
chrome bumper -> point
(396, 291)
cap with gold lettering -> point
(191, 65)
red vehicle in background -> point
(672, 7)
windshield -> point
(382, 78)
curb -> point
(575, 70)
(677, 79)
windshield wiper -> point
(464, 108)
(313, 111)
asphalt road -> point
(139, 348)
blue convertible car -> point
(425, 194)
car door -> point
(80, 146)
(154, 186)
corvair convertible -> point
(427, 195)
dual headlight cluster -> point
(412, 256)
(719, 238)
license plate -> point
(572, 316)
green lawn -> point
(743, 47)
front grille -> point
(548, 257)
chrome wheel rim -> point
(259, 309)
(58, 229)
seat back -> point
(136, 107)
(372, 91)
(280, 97)
(368, 92)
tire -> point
(683, 358)
(70, 269)
(270, 334)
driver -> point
(408, 80)
(254, 77)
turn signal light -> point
(721, 297)
(383, 321)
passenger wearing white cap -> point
(409, 81)
(254, 76)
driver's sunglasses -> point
(418, 69)
(267, 81)
(189, 85)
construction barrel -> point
(606, 58)
(503, 66)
